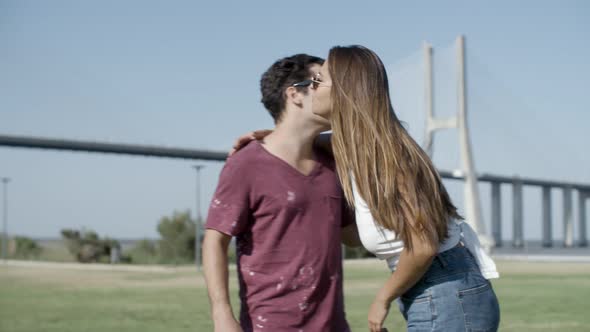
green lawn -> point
(533, 297)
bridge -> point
(496, 181)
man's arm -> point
(350, 236)
(324, 142)
(349, 232)
(215, 265)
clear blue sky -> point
(185, 74)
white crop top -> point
(384, 244)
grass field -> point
(533, 297)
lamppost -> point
(5, 218)
(198, 218)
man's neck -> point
(294, 144)
(297, 142)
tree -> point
(87, 247)
(26, 248)
(144, 251)
(177, 244)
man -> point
(282, 201)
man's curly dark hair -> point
(282, 74)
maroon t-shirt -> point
(287, 227)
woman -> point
(403, 211)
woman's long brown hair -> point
(396, 178)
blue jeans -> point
(451, 296)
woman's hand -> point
(377, 314)
(411, 267)
(245, 139)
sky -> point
(186, 74)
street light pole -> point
(5, 219)
(198, 218)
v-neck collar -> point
(291, 168)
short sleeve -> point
(228, 212)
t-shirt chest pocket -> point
(284, 202)
(318, 207)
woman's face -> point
(322, 104)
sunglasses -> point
(314, 82)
